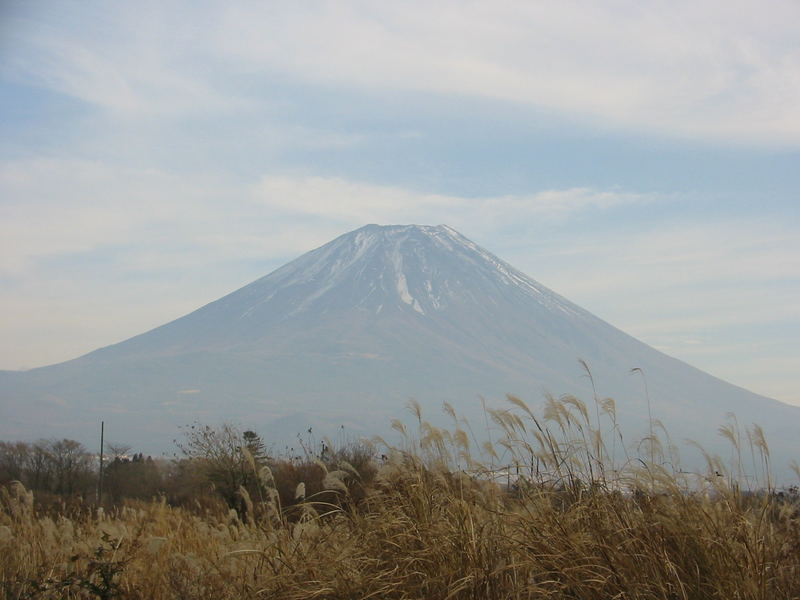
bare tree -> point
(71, 466)
(225, 456)
(14, 458)
(118, 450)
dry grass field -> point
(428, 521)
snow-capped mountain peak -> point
(423, 268)
(354, 328)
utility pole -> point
(100, 479)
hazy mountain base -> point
(282, 424)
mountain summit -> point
(421, 276)
(347, 333)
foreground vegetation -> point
(568, 519)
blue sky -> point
(641, 159)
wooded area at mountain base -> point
(215, 465)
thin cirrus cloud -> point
(698, 277)
(682, 69)
(123, 64)
(723, 298)
(158, 214)
(354, 202)
(68, 206)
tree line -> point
(66, 468)
(215, 464)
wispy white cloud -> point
(699, 70)
(349, 201)
(129, 61)
(358, 202)
(682, 252)
(59, 208)
(56, 207)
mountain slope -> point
(348, 332)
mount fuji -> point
(347, 333)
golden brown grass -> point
(432, 524)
